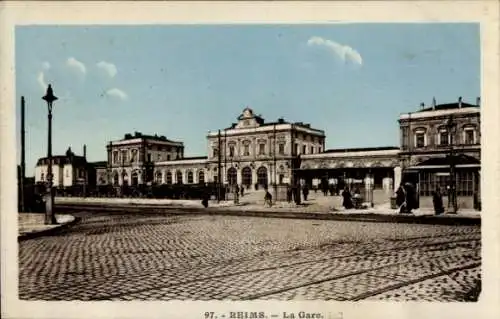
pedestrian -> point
(236, 190)
(288, 194)
(204, 200)
(347, 201)
(268, 198)
(305, 191)
(242, 190)
(401, 199)
(331, 189)
(437, 200)
(410, 197)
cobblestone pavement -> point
(158, 257)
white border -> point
(19, 13)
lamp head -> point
(49, 96)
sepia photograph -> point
(249, 162)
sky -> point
(350, 80)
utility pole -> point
(274, 155)
(85, 172)
(23, 160)
(452, 194)
(218, 167)
(224, 173)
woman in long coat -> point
(347, 201)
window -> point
(190, 177)
(42, 177)
(281, 149)
(158, 178)
(246, 149)
(215, 152)
(231, 150)
(178, 177)
(169, 178)
(262, 148)
(465, 183)
(124, 155)
(168, 157)
(134, 156)
(296, 149)
(159, 157)
(304, 149)
(319, 149)
(201, 177)
(443, 137)
(115, 157)
(420, 138)
(149, 157)
(469, 136)
(312, 150)
(404, 137)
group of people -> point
(347, 197)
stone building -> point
(67, 170)
(256, 154)
(131, 160)
(431, 139)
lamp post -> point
(452, 194)
(49, 202)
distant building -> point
(251, 153)
(131, 159)
(67, 170)
(427, 140)
(256, 153)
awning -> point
(417, 168)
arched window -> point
(201, 177)
(158, 177)
(231, 176)
(169, 178)
(178, 177)
(190, 177)
(246, 176)
(125, 178)
(262, 176)
(443, 136)
(135, 179)
(115, 178)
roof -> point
(155, 137)
(189, 158)
(64, 159)
(449, 106)
(99, 164)
(362, 149)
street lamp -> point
(49, 202)
(452, 194)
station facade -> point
(256, 154)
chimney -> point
(84, 151)
(460, 102)
(433, 103)
(478, 101)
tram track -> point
(277, 268)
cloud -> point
(117, 93)
(41, 80)
(109, 68)
(45, 65)
(77, 65)
(344, 52)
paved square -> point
(157, 257)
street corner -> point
(31, 225)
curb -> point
(179, 210)
(47, 232)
